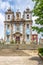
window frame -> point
(27, 25)
(8, 26)
(27, 16)
(8, 16)
(27, 36)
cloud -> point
(22, 4)
(16, 4)
(4, 5)
(1, 25)
(1, 18)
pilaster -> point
(11, 32)
(4, 32)
(23, 32)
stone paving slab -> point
(20, 60)
(10, 52)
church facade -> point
(18, 28)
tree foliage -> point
(38, 11)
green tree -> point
(38, 11)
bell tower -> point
(18, 15)
(8, 26)
(27, 16)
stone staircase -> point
(21, 46)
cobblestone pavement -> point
(21, 60)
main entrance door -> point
(18, 39)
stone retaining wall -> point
(20, 46)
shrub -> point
(12, 42)
(40, 50)
(0, 42)
(3, 43)
(42, 54)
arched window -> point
(27, 16)
(8, 16)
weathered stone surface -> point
(20, 60)
(10, 52)
(21, 46)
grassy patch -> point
(40, 50)
(42, 54)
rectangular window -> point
(27, 36)
(7, 26)
(27, 16)
(27, 25)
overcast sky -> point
(14, 4)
